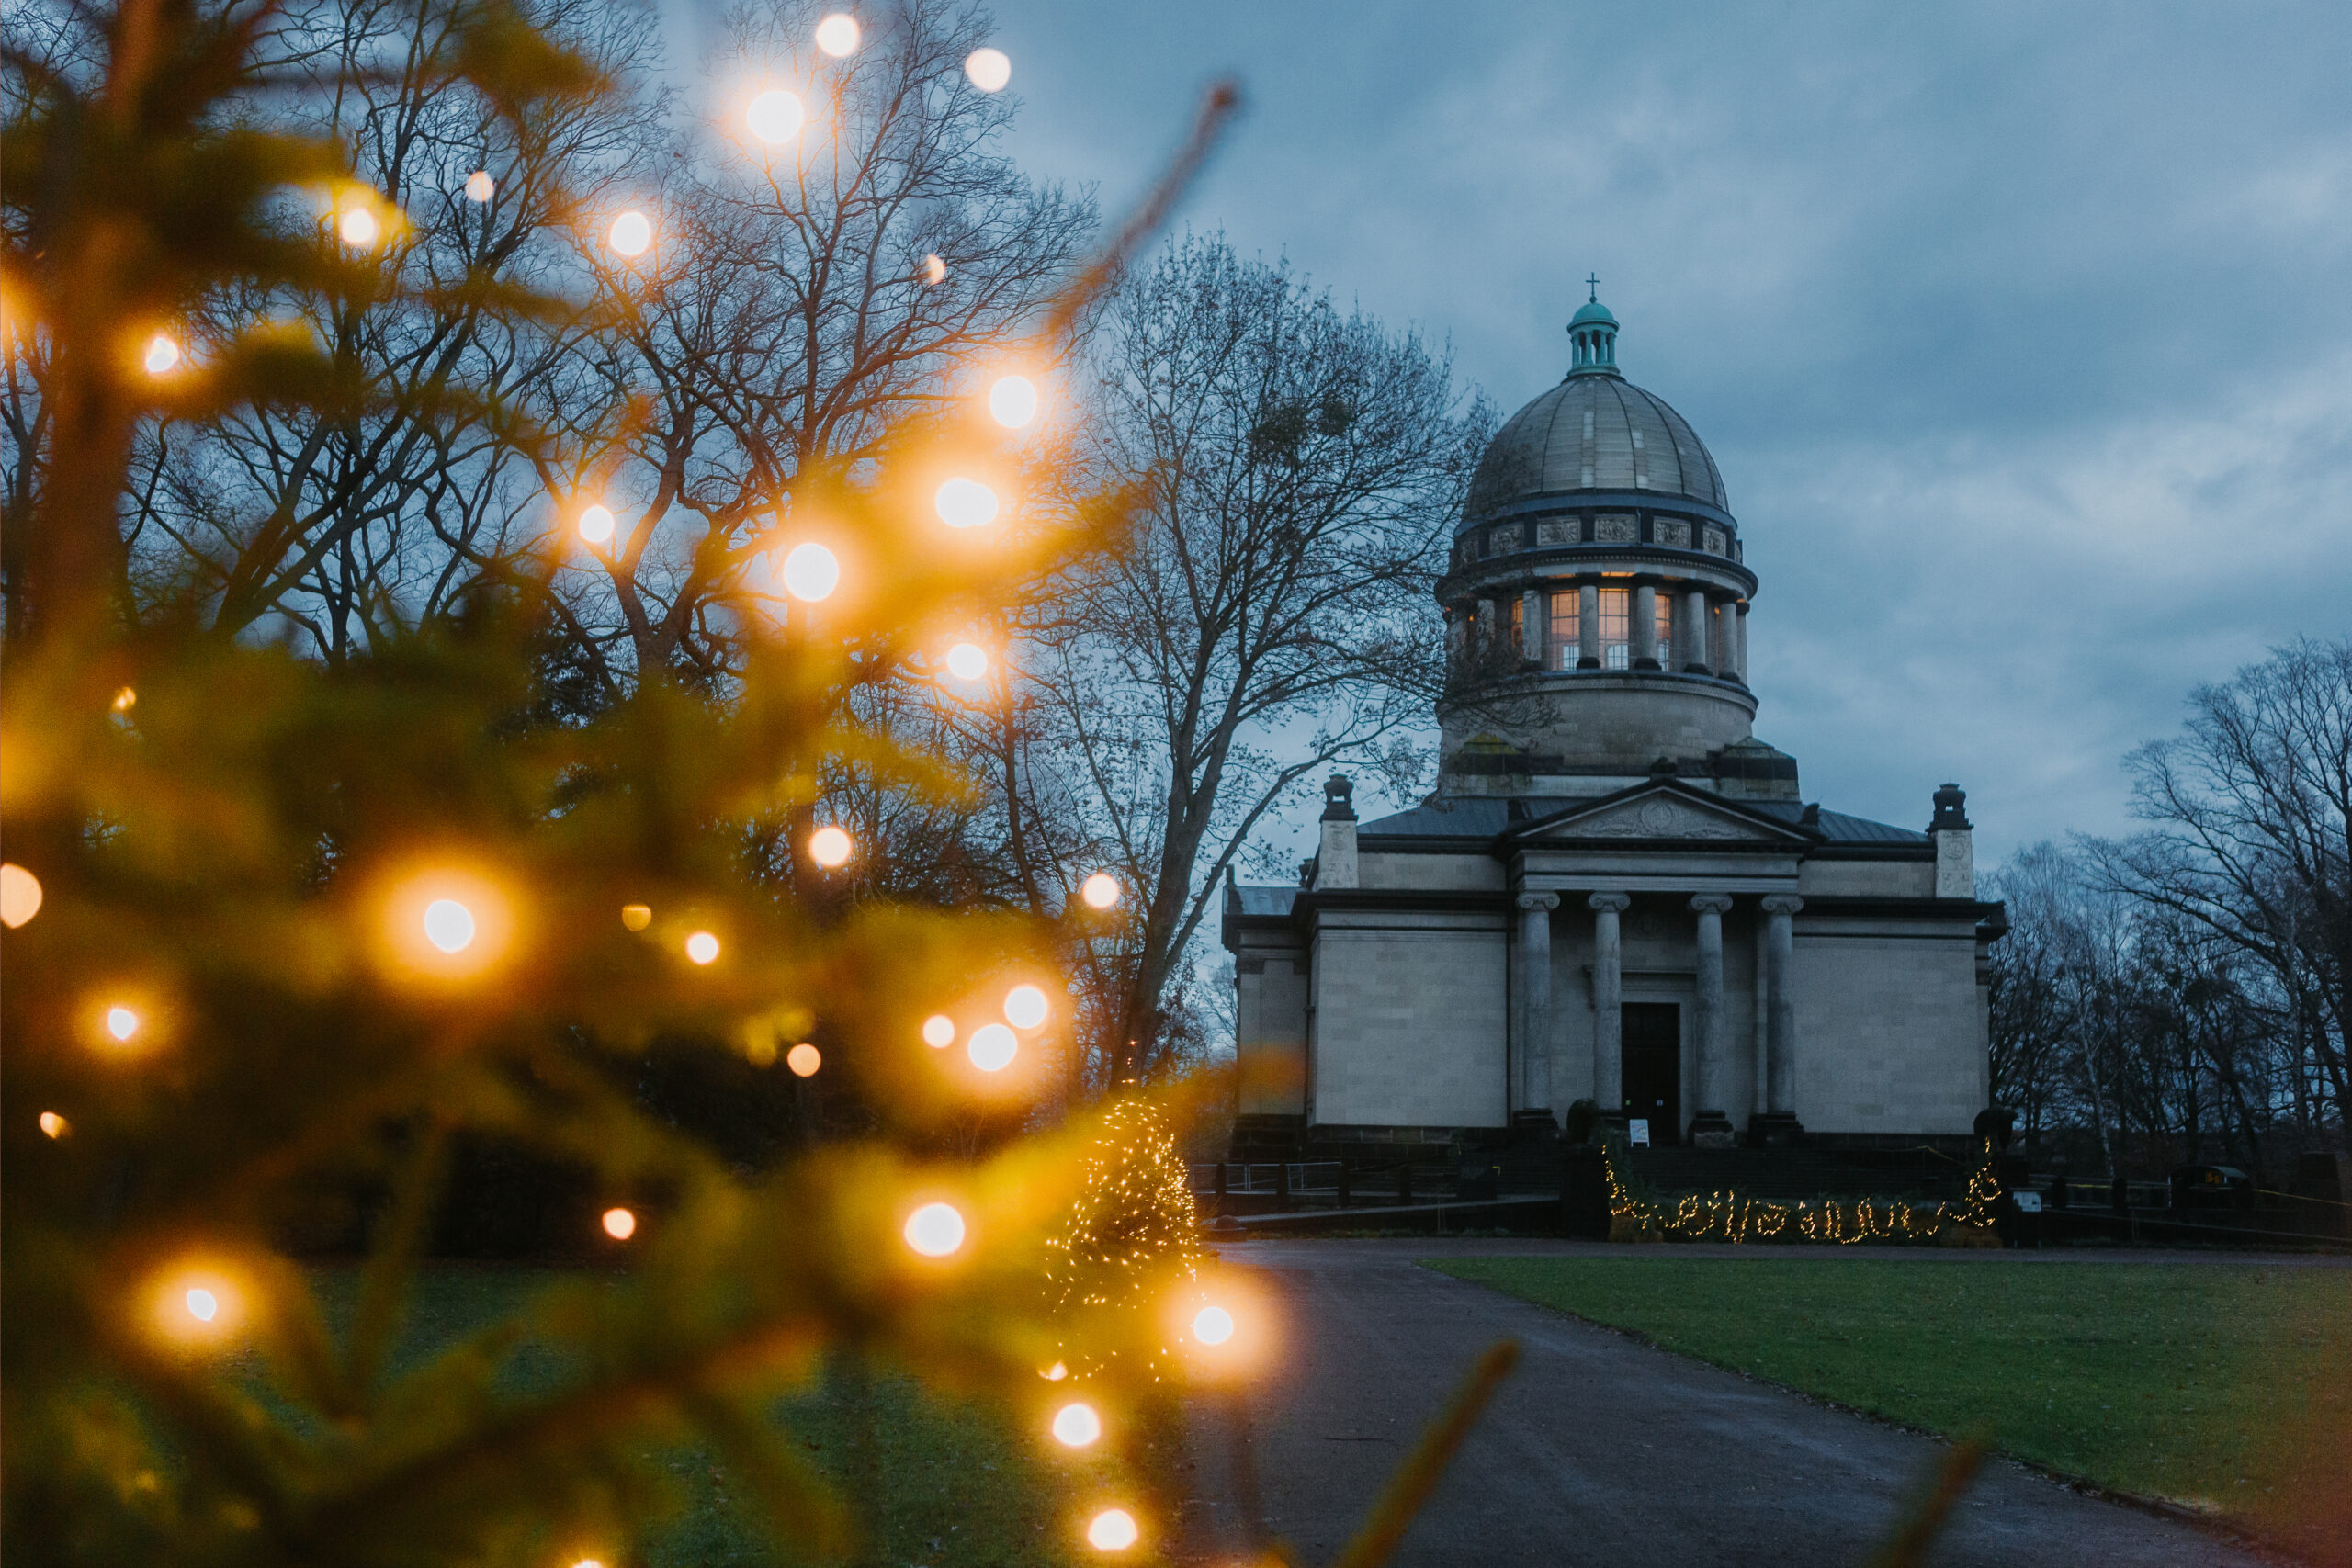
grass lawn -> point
(2225, 1388)
(952, 1485)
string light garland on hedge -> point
(1729, 1216)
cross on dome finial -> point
(1593, 282)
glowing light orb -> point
(163, 354)
(597, 523)
(1025, 1007)
(202, 1304)
(1113, 1530)
(939, 1031)
(19, 895)
(702, 947)
(1055, 1373)
(589, 1562)
(479, 186)
(1012, 401)
(966, 503)
(631, 234)
(830, 847)
(810, 572)
(121, 1022)
(1213, 1326)
(125, 699)
(838, 34)
(777, 116)
(935, 1229)
(967, 661)
(992, 1047)
(988, 69)
(54, 1125)
(804, 1059)
(935, 271)
(1099, 890)
(1074, 1425)
(619, 1223)
(636, 916)
(358, 227)
(448, 925)
(761, 1052)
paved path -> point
(1599, 1449)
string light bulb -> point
(966, 503)
(935, 271)
(831, 847)
(450, 925)
(1012, 401)
(620, 1224)
(939, 1031)
(122, 1022)
(702, 947)
(1213, 1326)
(358, 227)
(597, 523)
(20, 894)
(1025, 1007)
(631, 234)
(838, 34)
(1076, 1425)
(810, 572)
(636, 916)
(935, 1230)
(479, 186)
(1099, 890)
(775, 115)
(163, 355)
(1112, 1530)
(967, 661)
(54, 1125)
(992, 1047)
(988, 69)
(804, 1059)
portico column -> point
(1588, 626)
(1739, 645)
(1644, 626)
(1534, 1031)
(1711, 1126)
(1608, 1017)
(1695, 661)
(1780, 1001)
(1532, 627)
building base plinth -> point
(1775, 1130)
(1713, 1130)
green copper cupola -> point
(1592, 335)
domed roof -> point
(1594, 432)
(1590, 310)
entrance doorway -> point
(1652, 1067)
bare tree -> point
(1297, 467)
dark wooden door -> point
(1653, 1057)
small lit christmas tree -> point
(1132, 1235)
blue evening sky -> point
(2021, 332)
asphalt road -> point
(1599, 1449)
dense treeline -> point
(2181, 993)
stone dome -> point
(1595, 431)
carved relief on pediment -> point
(1656, 817)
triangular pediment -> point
(1666, 813)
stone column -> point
(1780, 1002)
(1588, 626)
(1608, 1017)
(1534, 619)
(1533, 1034)
(1695, 659)
(1645, 627)
(1710, 1128)
(1739, 645)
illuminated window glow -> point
(1560, 637)
(1616, 629)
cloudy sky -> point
(2022, 334)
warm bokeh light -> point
(831, 847)
(939, 1031)
(619, 1223)
(589, 1562)
(125, 699)
(1055, 1373)
(636, 916)
(804, 1059)
(935, 1230)
(450, 925)
(121, 1021)
(810, 572)
(1074, 1425)
(631, 234)
(358, 227)
(19, 895)
(988, 69)
(597, 523)
(1025, 1007)
(1099, 890)
(1113, 1530)
(1012, 401)
(967, 661)
(966, 503)
(202, 1304)
(992, 1047)
(775, 115)
(163, 354)
(479, 186)
(702, 947)
(194, 1307)
(838, 34)
(1213, 1326)
(53, 1124)
(935, 271)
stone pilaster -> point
(1693, 633)
(1608, 996)
(1532, 1032)
(1645, 654)
(1588, 626)
(1710, 1128)
(1780, 1123)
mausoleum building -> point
(1616, 891)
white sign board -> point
(2028, 1202)
(1638, 1131)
